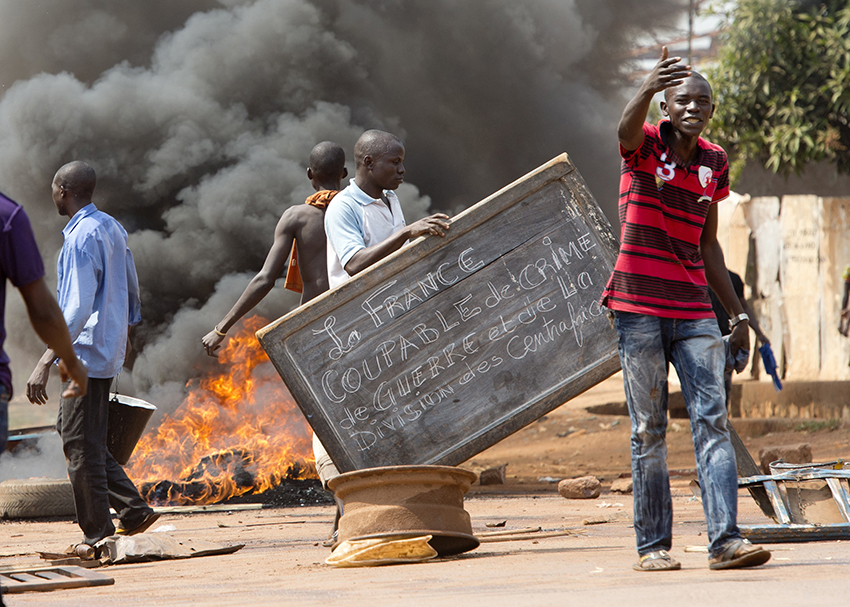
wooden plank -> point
(25, 577)
(795, 533)
(526, 536)
(51, 578)
(206, 508)
(746, 468)
(52, 575)
(450, 345)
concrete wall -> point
(791, 253)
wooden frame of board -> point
(451, 344)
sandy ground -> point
(282, 562)
(571, 441)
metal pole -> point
(691, 12)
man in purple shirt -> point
(20, 263)
(99, 296)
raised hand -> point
(666, 73)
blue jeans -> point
(647, 345)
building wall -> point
(791, 252)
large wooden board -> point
(451, 344)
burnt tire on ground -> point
(36, 497)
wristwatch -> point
(737, 319)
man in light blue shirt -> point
(98, 291)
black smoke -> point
(199, 116)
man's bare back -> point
(305, 224)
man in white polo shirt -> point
(365, 224)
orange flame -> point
(237, 432)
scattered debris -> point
(508, 532)
(50, 578)
(209, 508)
(585, 487)
(790, 454)
(530, 533)
(702, 549)
(682, 472)
(695, 489)
(811, 503)
(223, 526)
(144, 547)
(382, 551)
(622, 485)
(499, 524)
(607, 518)
(548, 479)
(493, 476)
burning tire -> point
(35, 497)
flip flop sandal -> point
(738, 554)
(660, 560)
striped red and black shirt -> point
(663, 206)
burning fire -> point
(234, 433)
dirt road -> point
(282, 562)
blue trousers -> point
(647, 346)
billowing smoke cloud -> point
(44, 458)
(199, 117)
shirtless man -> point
(303, 225)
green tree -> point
(782, 84)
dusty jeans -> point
(647, 345)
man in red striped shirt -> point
(669, 254)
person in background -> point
(299, 237)
(99, 297)
(20, 264)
